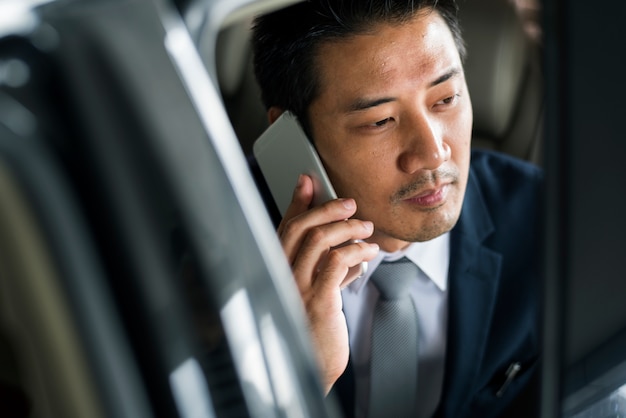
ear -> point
(273, 113)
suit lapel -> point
(473, 279)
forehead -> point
(415, 49)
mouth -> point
(431, 198)
(428, 191)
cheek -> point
(459, 136)
(357, 174)
(466, 122)
(345, 173)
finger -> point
(321, 241)
(313, 224)
(335, 269)
(300, 200)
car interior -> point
(139, 284)
(140, 275)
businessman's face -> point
(393, 126)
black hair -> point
(285, 42)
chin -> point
(431, 229)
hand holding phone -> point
(283, 152)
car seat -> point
(504, 77)
(502, 69)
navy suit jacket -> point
(494, 295)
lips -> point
(428, 190)
(430, 198)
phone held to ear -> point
(283, 152)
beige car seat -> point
(503, 73)
(504, 77)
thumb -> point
(300, 200)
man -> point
(380, 90)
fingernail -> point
(374, 247)
(368, 225)
(300, 180)
(348, 204)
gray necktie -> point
(393, 367)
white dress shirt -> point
(430, 295)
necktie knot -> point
(392, 279)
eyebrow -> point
(363, 103)
(451, 73)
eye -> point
(382, 122)
(373, 126)
(448, 100)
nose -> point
(426, 147)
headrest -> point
(232, 54)
(496, 62)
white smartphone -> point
(283, 152)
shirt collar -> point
(432, 257)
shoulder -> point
(496, 167)
(509, 192)
(506, 180)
